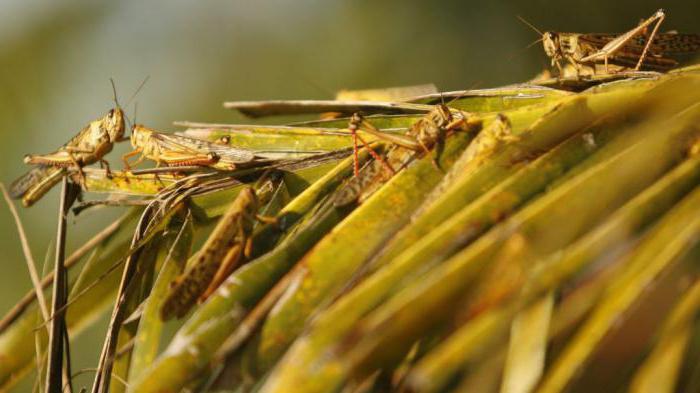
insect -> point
(634, 50)
(426, 133)
(228, 245)
(89, 146)
(497, 133)
(176, 150)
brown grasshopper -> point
(89, 146)
(426, 133)
(228, 245)
(633, 50)
(176, 150)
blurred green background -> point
(56, 59)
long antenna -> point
(114, 92)
(533, 43)
(462, 94)
(138, 89)
(530, 25)
(521, 51)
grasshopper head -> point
(250, 201)
(550, 41)
(114, 124)
(140, 136)
(443, 115)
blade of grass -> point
(527, 347)
(349, 309)
(349, 245)
(192, 349)
(678, 231)
(659, 372)
(633, 170)
(31, 266)
(17, 344)
(57, 328)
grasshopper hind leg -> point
(228, 265)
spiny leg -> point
(126, 156)
(228, 264)
(649, 41)
(427, 151)
(352, 127)
(267, 219)
(457, 124)
(157, 178)
(104, 164)
(81, 174)
(376, 156)
(248, 249)
(618, 43)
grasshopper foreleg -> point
(357, 123)
(81, 173)
(266, 219)
(126, 156)
(376, 156)
(105, 165)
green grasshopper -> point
(426, 133)
(228, 245)
(89, 146)
(176, 150)
(632, 50)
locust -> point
(634, 50)
(229, 244)
(177, 150)
(499, 132)
(425, 134)
(90, 145)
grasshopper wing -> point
(192, 146)
(664, 44)
(35, 176)
(35, 183)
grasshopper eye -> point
(110, 113)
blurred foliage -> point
(56, 59)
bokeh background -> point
(56, 59)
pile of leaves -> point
(552, 245)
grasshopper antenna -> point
(521, 51)
(133, 124)
(116, 102)
(114, 93)
(462, 94)
(530, 25)
(533, 43)
(530, 45)
(138, 89)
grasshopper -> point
(228, 245)
(426, 133)
(176, 150)
(500, 131)
(628, 51)
(89, 146)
